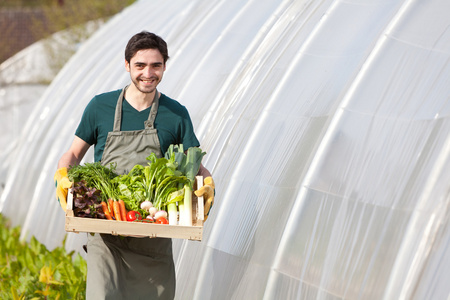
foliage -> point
(72, 17)
(37, 20)
(31, 271)
(25, 3)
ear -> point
(127, 66)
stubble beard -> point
(146, 91)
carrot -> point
(111, 207)
(123, 210)
(116, 209)
(106, 210)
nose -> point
(148, 72)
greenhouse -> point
(326, 126)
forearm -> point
(75, 153)
(203, 172)
(68, 159)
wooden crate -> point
(194, 232)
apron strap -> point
(153, 111)
(151, 117)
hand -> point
(207, 191)
(62, 184)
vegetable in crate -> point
(133, 215)
(95, 175)
(100, 177)
(157, 183)
(189, 165)
(87, 201)
(161, 220)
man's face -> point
(146, 69)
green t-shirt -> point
(172, 121)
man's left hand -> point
(207, 191)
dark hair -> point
(146, 40)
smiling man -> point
(125, 126)
(146, 69)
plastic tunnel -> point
(326, 126)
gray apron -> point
(128, 267)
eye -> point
(157, 66)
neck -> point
(138, 99)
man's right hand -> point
(62, 184)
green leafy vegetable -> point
(97, 176)
(155, 183)
(189, 165)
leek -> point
(172, 200)
(189, 165)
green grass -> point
(28, 270)
(26, 3)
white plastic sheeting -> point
(326, 126)
(24, 77)
(22, 82)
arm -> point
(203, 172)
(75, 153)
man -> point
(125, 126)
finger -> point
(61, 196)
(209, 181)
(65, 183)
(205, 190)
(207, 207)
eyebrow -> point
(153, 64)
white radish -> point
(146, 205)
(161, 213)
(152, 211)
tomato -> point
(161, 220)
(133, 215)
